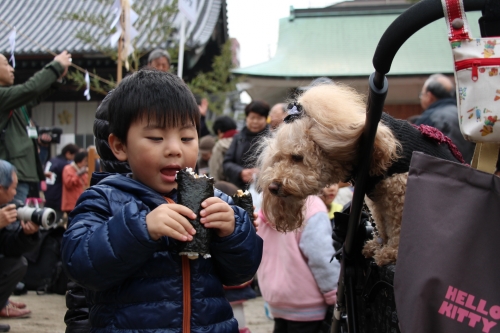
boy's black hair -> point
(258, 107)
(80, 156)
(223, 124)
(162, 97)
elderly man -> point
(438, 100)
(18, 133)
(16, 238)
(276, 115)
(159, 59)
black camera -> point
(45, 217)
(53, 132)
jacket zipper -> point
(475, 64)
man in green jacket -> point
(18, 134)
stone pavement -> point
(48, 315)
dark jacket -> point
(443, 115)
(17, 147)
(241, 155)
(134, 282)
(54, 191)
(14, 242)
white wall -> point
(80, 116)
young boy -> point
(122, 239)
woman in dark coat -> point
(239, 161)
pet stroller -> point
(365, 298)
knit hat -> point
(207, 143)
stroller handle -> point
(409, 22)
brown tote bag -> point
(448, 270)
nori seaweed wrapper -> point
(191, 192)
(244, 200)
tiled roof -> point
(39, 20)
(344, 45)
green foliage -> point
(153, 23)
(216, 84)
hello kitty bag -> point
(477, 63)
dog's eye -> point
(297, 158)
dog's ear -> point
(338, 116)
(339, 141)
(385, 150)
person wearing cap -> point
(207, 143)
(160, 60)
(18, 133)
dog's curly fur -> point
(319, 149)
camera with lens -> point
(44, 217)
(54, 132)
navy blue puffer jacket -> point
(135, 283)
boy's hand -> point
(170, 220)
(219, 215)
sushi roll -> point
(244, 200)
(192, 190)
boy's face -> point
(155, 154)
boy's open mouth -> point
(168, 173)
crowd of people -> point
(21, 172)
(123, 226)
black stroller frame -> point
(346, 318)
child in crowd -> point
(328, 196)
(296, 276)
(75, 180)
(122, 240)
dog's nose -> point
(274, 188)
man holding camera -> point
(18, 133)
(16, 238)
